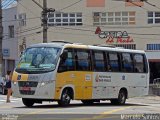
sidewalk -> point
(150, 99)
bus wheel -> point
(121, 98)
(27, 102)
(87, 102)
(65, 98)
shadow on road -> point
(74, 105)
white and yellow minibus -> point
(62, 71)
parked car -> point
(3, 89)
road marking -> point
(115, 110)
(37, 111)
(104, 114)
(6, 106)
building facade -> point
(131, 24)
(10, 39)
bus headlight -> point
(43, 84)
(14, 83)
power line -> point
(20, 19)
(24, 31)
(26, 8)
(45, 11)
(70, 5)
(120, 26)
(26, 35)
(30, 29)
(138, 5)
(84, 30)
(151, 4)
(93, 35)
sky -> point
(7, 3)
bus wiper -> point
(41, 61)
(23, 70)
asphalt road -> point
(144, 108)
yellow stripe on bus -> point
(23, 77)
(81, 81)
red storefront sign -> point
(114, 36)
(111, 39)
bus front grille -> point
(27, 87)
(27, 84)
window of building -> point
(127, 63)
(83, 61)
(65, 19)
(153, 17)
(99, 61)
(22, 19)
(126, 46)
(153, 46)
(11, 31)
(114, 18)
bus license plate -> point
(26, 88)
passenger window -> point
(68, 64)
(99, 61)
(114, 62)
(138, 63)
(83, 60)
(127, 63)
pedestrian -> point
(8, 78)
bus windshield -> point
(38, 60)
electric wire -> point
(70, 5)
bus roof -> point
(61, 44)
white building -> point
(10, 39)
(133, 25)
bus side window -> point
(83, 62)
(114, 62)
(138, 63)
(99, 61)
(127, 63)
(68, 63)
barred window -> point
(153, 17)
(65, 19)
(153, 46)
(126, 46)
(22, 19)
(114, 18)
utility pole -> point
(1, 34)
(44, 18)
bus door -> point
(66, 71)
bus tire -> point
(87, 102)
(28, 102)
(121, 98)
(65, 98)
